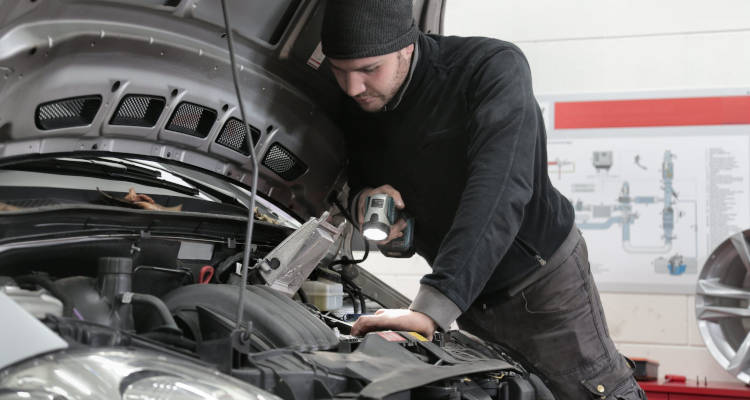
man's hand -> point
(397, 228)
(145, 202)
(399, 320)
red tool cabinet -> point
(692, 391)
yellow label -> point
(419, 337)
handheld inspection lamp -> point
(380, 214)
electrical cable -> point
(226, 265)
(354, 292)
(334, 199)
(345, 260)
(350, 293)
(362, 302)
(302, 296)
(353, 289)
(254, 184)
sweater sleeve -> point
(502, 130)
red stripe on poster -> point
(653, 112)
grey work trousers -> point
(556, 326)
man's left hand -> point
(398, 320)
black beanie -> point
(367, 28)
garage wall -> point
(614, 46)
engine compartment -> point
(179, 295)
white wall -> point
(617, 45)
(612, 46)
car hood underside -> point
(152, 79)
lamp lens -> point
(375, 234)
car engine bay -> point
(167, 282)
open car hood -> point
(153, 79)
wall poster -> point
(657, 180)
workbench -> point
(660, 390)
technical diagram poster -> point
(653, 202)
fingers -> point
(394, 234)
(400, 320)
(368, 323)
(134, 197)
(390, 237)
(362, 326)
(378, 322)
(399, 226)
(397, 231)
(390, 191)
(362, 203)
(145, 197)
(131, 196)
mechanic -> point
(449, 127)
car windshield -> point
(125, 182)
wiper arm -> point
(221, 196)
(130, 167)
(97, 169)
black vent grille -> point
(192, 119)
(284, 163)
(234, 136)
(138, 110)
(66, 113)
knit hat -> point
(367, 28)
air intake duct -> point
(138, 110)
(234, 136)
(283, 162)
(192, 119)
(67, 113)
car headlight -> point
(120, 374)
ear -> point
(408, 50)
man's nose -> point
(354, 84)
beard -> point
(372, 101)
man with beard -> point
(449, 127)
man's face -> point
(373, 81)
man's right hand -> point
(397, 228)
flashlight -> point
(380, 214)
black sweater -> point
(466, 147)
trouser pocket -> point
(613, 385)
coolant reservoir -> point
(323, 294)
(36, 302)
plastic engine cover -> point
(279, 319)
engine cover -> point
(277, 321)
